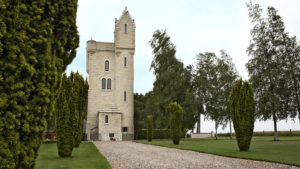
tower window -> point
(124, 95)
(106, 119)
(124, 129)
(125, 61)
(107, 65)
(103, 83)
(108, 83)
(125, 28)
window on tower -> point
(108, 83)
(106, 119)
(125, 28)
(124, 95)
(107, 65)
(103, 83)
(125, 61)
(124, 129)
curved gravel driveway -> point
(131, 155)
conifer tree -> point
(78, 112)
(35, 48)
(242, 109)
(64, 120)
(175, 121)
(149, 127)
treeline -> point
(202, 90)
(38, 40)
(70, 112)
(273, 67)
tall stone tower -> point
(110, 97)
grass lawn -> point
(85, 157)
(286, 151)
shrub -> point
(242, 113)
(176, 117)
(63, 121)
(157, 134)
(150, 127)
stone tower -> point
(110, 96)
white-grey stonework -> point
(115, 101)
(130, 155)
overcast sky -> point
(194, 26)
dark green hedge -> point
(267, 133)
(157, 134)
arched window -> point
(103, 83)
(125, 28)
(125, 61)
(106, 118)
(107, 65)
(108, 83)
(124, 95)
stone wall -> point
(202, 135)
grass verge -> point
(86, 156)
(286, 151)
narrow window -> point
(107, 65)
(125, 61)
(124, 95)
(125, 28)
(108, 83)
(124, 129)
(106, 118)
(103, 83)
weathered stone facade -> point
(110, 97)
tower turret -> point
(125, 31)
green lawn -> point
(286, 151)
(86, 157)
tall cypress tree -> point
(175, 121)
(9, 111)
(64, 121)
(242, 109)
(34, 51)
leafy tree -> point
(64, 120)
(173, 81)
(242, 112)
(292, 73)
(139, 111)
(213, 80)
(269, 67)
(149, 127)
(228, 74)
(176, 118)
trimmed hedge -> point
(265, 133)
(175, 120)
(242, 109)
(141, 134)
(150, 127)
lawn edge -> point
(223, 155)
(100, 153)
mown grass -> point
(86, 156)
(286, 151)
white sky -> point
(194, 26)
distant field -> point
(85, 157)
(286, 151)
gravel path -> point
(131, 155)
